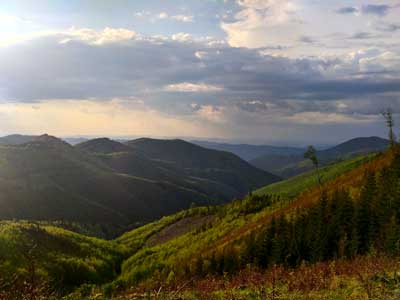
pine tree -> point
(250, 251)
(264, 254)
(392, 239)
(365, 215)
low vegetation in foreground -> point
(340, 240)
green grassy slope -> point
(225, 225)
(65, 258)
(293, 186)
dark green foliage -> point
(337, 226)
(63, 259)
(254, 203)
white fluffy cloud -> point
(182, 37)
(164, 16)
(108, 35)
(188, 87)
(218, 89)
(253, 22)
(183, 18)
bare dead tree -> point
(311, 154)
(388, 115)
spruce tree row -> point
(337, 226)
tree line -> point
(337, 226)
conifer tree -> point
(364, 219)
(392, 239)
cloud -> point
(229, 91)
(201, 54)
(387, 27)
(347, 10)
(11, 19)
(377, 10)
(362, 35)
(188, 87)
(368, 9)
(108, 35)
(307, 39)
(211, 113)
(162, 16)
(183, 18)
(182, 37)
(92, 117)
(255, 18)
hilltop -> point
(102, 145)
(199, 162)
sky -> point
(258, 71)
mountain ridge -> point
(104, 181)
(290, 165)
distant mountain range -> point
(105, 181)
(250, 152)
(16, 139)
(290, 165)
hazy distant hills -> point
(291, 165)
(102, 180)
(218, 174)
(16, 139)
(249, 152)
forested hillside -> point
(347, 229)
(352, 215)
(105, 182)
(352, 222)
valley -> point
(210, 248)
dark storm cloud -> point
(388, 27)
(368, 9)
(44, 68)
(378, 10)
(362, 35)
(347, 10)
(307, 39)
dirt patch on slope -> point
(181, 227)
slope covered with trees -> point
(219, 175)
(347, 231)
(235, 236)
(47, 179)
(107, 182)
(343, 224)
